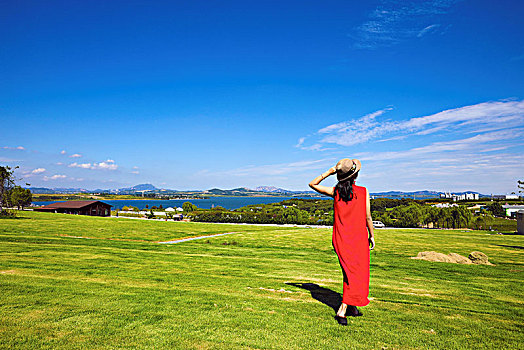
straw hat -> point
(347, 168)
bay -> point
(225, 202)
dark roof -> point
(72, 205)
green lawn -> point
(261, 288)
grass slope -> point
(263, 288)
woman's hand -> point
(332, 170)
(371, 243)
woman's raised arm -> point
(314, 184)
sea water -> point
(208, 203)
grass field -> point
(260, 288)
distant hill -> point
(41, 190)
(141, 187)
(240, 191)
(44, 190)
(271, 189)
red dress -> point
(350, 240)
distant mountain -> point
(41, 190)
(271, 189)
(407, 194)
(69, 190)
(45, 190)
(240, 191)
(141, 187)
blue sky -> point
(195, 95)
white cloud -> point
(107, 165)
(481, 143)
(135, 172)
(37, 171)
(426, 30)
(471, 144)
(356, 131)
(63, 152)
(20, 148)
(478, 118)
(82, 165)
(315, 147)
(509, 113)
(76, 155)
(395, 21)
(459, 170)
(300, 142)
(350, 132)
(55, 177)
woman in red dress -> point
(352, 234)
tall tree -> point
(7, 182)
(188, 207)
(21, 197)
(520, 186)
(496, 209)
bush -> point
(7, 214)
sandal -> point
(343, 321)
(353, 311)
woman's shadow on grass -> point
(322, 294)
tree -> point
(520, 186)
(189, 207)
(408, 216)
(7, 182)
(21, 197)
(496, 209)
(461, 217)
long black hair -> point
(345, 189)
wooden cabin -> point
(93, 208)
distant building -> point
(504, 196)
(460, 197)
(92, 208)
(511, 210)
(444, 205)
